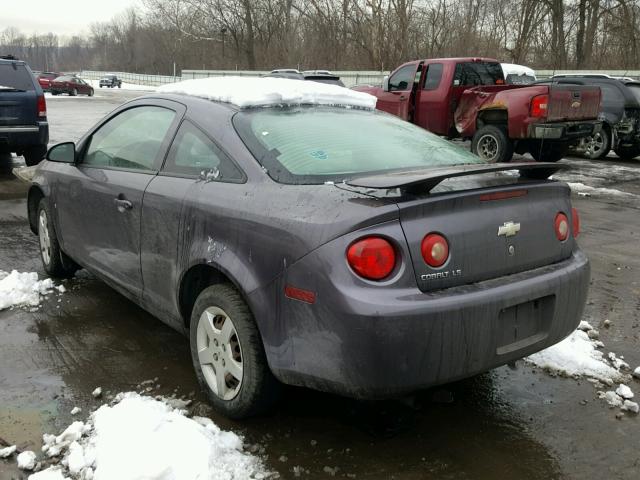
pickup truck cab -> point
(469, 98)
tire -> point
(237, 347)
(548, 151)
(598, 146)
(492, 144)
(627, 153)
(100, 86)
(73, 92)
(90, 93)
(34, 155)
(119, 85)
(54, 261)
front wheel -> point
(492, 144)
(55, 262)
(597, 145)
(228, 355)
(73, 92)
(90, 93)
(548, 151)
(627, 153)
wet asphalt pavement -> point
(513, 422)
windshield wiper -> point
(11, 89)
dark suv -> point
(619, 112)
(23, 112)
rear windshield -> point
(478, 73)
(514, 79)
(311, 145)
(15, 76)
(64, 78)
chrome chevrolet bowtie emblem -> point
(509, 229)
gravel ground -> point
(513, 422)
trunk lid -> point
(573, 102)
(471, 220)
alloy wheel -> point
(219, 353)
(594, 144)
(43, 236)
(488, 148)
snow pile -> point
(577, 355)
(22, 288)
(586, 190)
(140, 438)
(260, 92)
(27, 460)
(7, 451)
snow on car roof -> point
(514, 69)
(247, 92)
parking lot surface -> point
(513, 422)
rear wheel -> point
(55, 262)
(33, 155)
(597, 145)
(228, 355)
(548, 151)
(627, 153)
(492, 144)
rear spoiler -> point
(425, 179)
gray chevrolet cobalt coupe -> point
(296, 235)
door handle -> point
(402, 97)
(122, 204)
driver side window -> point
(131, 140)
(403, 78)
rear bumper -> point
(17, 137)
(564, 130)
(377, 343)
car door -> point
(432, 109)
(100, 203)
(397, 99)
(194, 160)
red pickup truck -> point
(468, 98)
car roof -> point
(247, 92)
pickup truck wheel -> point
(597, 145)
(627, 153)
(33, 155)
(492, 144)
(228, 355)
(55, 262)
(549, 151)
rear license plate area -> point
(522, 325)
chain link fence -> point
(349, 78)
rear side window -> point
(478, 73)
(403, 79)
(15, 76)
(193, 153)
(132, 139)
(434, 75)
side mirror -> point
(385, 83)
(63, 153)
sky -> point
(64, 17)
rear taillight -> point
(561, 225)
(42, 107)
(373, 258)
(435, 250)
(539, 105)
(575, 221)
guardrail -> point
(348, 77)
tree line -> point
(342, 35)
